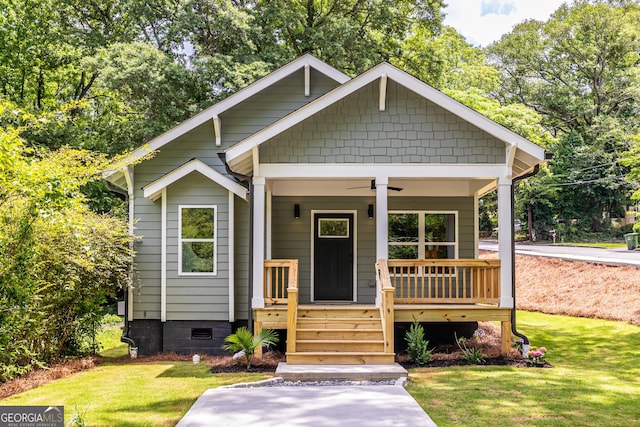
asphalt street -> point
(615, 256)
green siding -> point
(291, 237)
(237, 123)
(242, 258)
(197, 297)
(410, 130)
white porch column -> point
(505, 240)
(258, 241)
(382, 225)
(382, 219)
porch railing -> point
(386, 295)
(445, 281)
(278, 275)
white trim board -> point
(153, 190)
(402, 78)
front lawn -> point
(595, 380)
(131, 394)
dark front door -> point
(333, 257)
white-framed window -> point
(197, 240)
(423, 234)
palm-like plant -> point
(245, 341)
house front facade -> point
(310, 197)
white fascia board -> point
(238, 97)
(391, 170)
(402, 78)
(153, 190)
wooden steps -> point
(339, 336)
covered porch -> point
(460, 290)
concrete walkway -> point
(308, 406)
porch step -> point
(339, 336)
(339, 323)
(340, 333)
(340, 346)
(340, 358)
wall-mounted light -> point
(296, 211)
(370, 211)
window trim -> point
(422, 243)
(214, 240)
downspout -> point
(249, 181)
(514, 330)
(125, 338)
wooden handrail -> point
(278, 278)
(445, 280)
(387, 293)
(292, 306)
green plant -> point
(469, 352)
(78, 418)
(417, 346)
(244, 341)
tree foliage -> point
(580, 72)
(59, 261)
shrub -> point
(247, 343)
(469, 352)
(417, 346)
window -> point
(333, 228)
(423, 234)
(197, 240)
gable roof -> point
(154, 190)
(235, 99)
(528, 152)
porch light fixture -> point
(370, 211)
(296, 210)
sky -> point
(484, 21)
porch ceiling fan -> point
(373, 187)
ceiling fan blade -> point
(373, 187)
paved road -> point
(616, 256)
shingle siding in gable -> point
(410, 130)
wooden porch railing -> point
(445, 281)
(292, 306)
(386, 295)
(277, 279)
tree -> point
(59, 261)
(580, 72)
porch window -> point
(197, 240)
(423, 234)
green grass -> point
(109, 339)
(131, 394)
(595, 380)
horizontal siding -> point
(291, 237)
(241, 258)
(197, 297)
(410, 130)
(237, 123)
(272, 104)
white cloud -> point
(483, 22)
